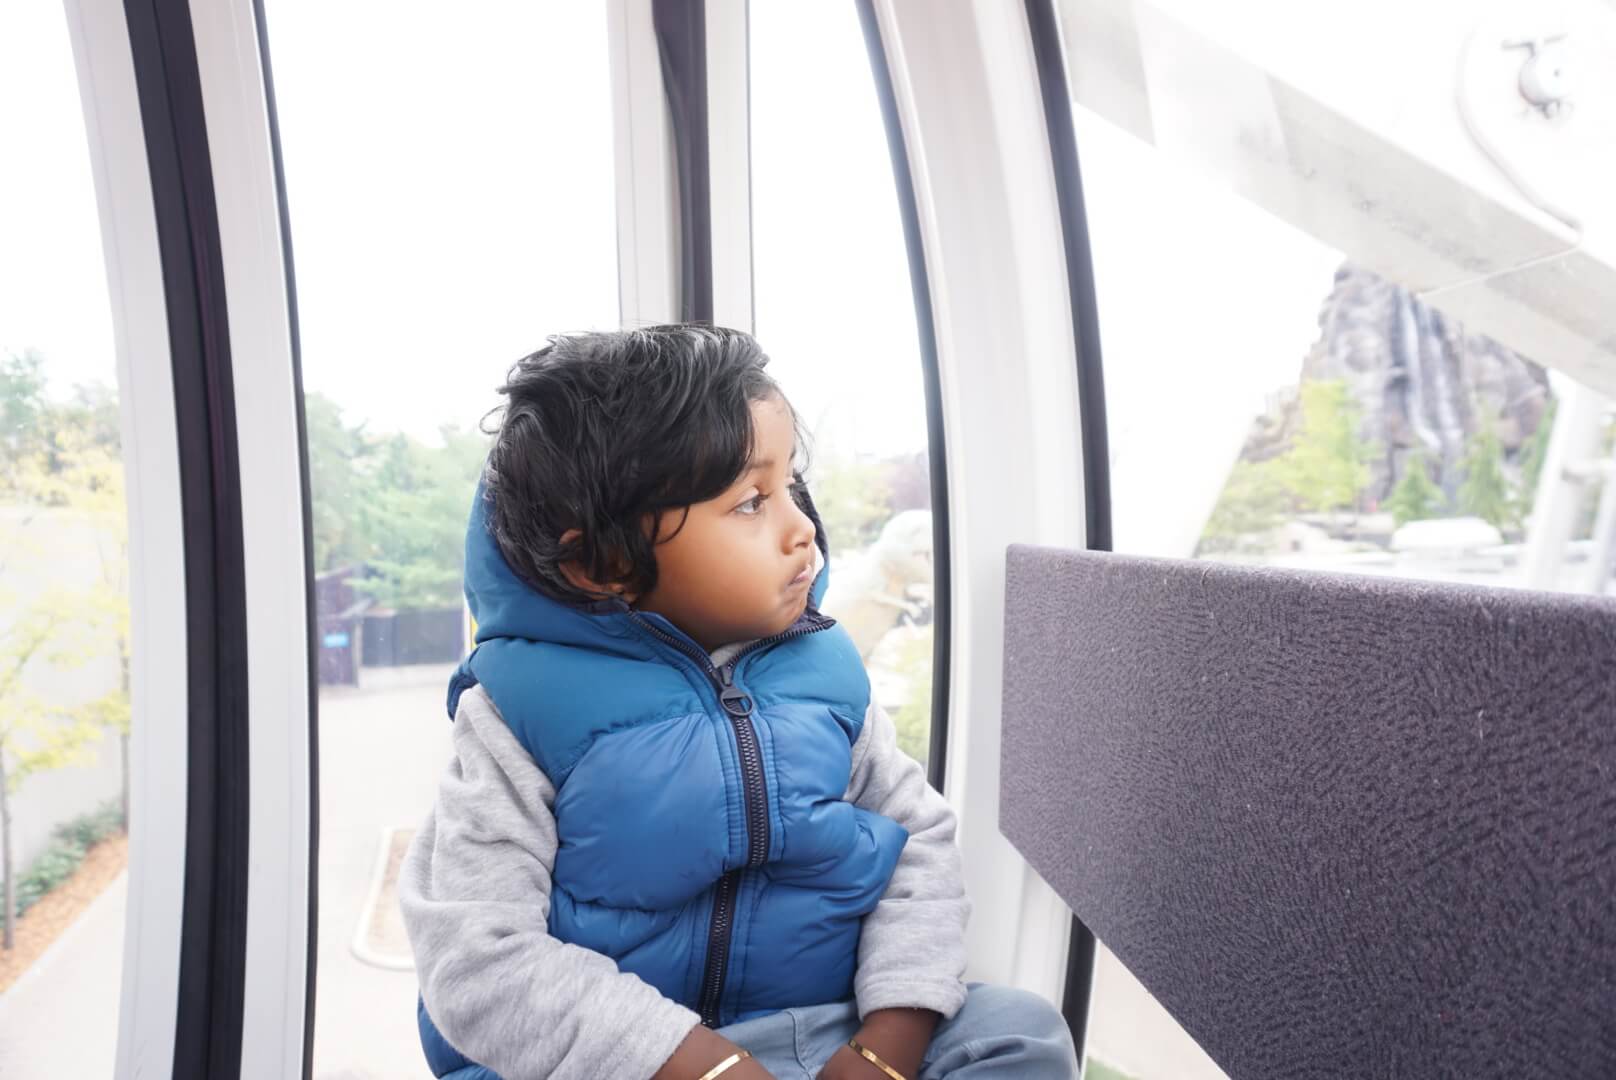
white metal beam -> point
(1378, 127)
(1573, 440)
(729, 151)
(647, 204)
(968, 99)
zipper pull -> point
(736, 702)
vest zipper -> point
(737, 705)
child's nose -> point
(800, 530)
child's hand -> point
(898, 1037)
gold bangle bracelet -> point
(869, 1055)
(724, 1066)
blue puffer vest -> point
(704, 843)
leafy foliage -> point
(1327, 467)
(58, 460)
(1254, 499)
(37, 734)
(854, 500)
(69, 844)
(913, 718)
(393, 503)
(335, 480)
(22, 399)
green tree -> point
(412, 517)
(854, 500)
(1532, 458)
(392, 503)
(22, 399)
(338, 460)
(1416, 496)
(1327, 467)
(1253, 500)
(1486, 490)
(913, 718)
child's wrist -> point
(899, 1037)
(702, 1051)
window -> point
(64, 600)
(836, 316)
(450, 190)
(1275, 400)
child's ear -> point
(579, 578)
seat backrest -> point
(1337, 825)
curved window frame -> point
(936, 444)
(1050, 53)
(213, 942)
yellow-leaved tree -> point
(63, 630)
(60, 468)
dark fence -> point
(355, 633)
(340, 610)
(396, 638)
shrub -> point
(69, 844)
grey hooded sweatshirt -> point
(475, 894)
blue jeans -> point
(998, 1033)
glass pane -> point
(450, 185)
(835, 314)
(1296, 408)
(64, 600)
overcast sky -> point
(450, 184)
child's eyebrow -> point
(758, 464)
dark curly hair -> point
(606, 432)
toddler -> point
(677, 839)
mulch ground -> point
(55, 912)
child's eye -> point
(752, 506)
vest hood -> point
(504, 606)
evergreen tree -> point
(1416, 496)
(1486, 492)
(1537, 451)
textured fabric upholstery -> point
(1337, 825)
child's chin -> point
(788, 620)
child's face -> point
(742, 564)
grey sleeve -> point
(475, 894)
(912, 946)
